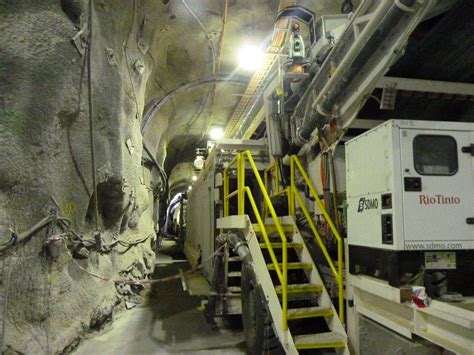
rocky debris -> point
(81, 253)
(71, 347)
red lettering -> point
(439, 200)
(423, 200)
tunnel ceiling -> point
(182, 54)
(440, 49)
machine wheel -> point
(436, 283)
(259, 334)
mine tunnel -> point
(236, 176)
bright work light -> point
(216, 133)
(251, 58)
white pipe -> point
(355, 49)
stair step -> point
(310, 312)
(234, 289)
(293, 266)
(234, 274)
(320, 341)
(300, 288)
(280, 245)
(271, 228)
(234, 258)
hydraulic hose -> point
(156, 106)
(161, 171)
(323, 106)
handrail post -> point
(292, 191)
(341, 280)
(226, 192)
(284, 283)
(241, 183)
(264, 204)
(277, 177)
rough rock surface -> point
(44, 149)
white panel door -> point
(438, 189)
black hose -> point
(27, 235)
(161, 171)
(159, 103)
(91, 120)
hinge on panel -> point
(468, 149)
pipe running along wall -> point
(156, 106)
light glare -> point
(216, 133)
(194, 178)
(251, 58)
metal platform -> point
(449, 325)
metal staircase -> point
(307, 296)
(302, 311)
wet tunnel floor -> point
(167, 323)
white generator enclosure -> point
(410, 188)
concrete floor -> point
(168, 323)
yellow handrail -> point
(338, 273)
(282, 272)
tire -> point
(257, 322)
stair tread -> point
(234, 274)
(280, 245)
(234, 258)
(233, 289)
(310, 312)
(292, 266)
(320, 340)
(272, 228)
(300, 288)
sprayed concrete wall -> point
(49, 302)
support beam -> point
(449, 325)
(241, 144)
(444, 87)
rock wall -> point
(49, 302)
